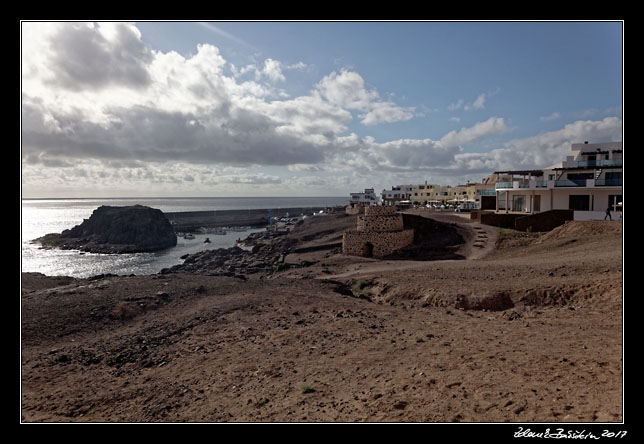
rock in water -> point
(132, 229)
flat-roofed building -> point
(588, 181)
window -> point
(501, 200)
(614, 200)
(579, 202)
(518, 203)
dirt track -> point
(344, 339)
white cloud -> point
(456, 105)
(493, 125)
(553, 116)
(479, 103)
(386, 112)
(272, 70)
(347, 90)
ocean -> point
(43, 216)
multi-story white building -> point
(367, 198)
(589, 182)
(397, 194)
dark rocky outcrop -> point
(131, 229)
(265, 258)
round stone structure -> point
(378, 233)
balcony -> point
(504, 185)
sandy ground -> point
(528, 328)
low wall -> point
(382, 244)
(499, 220)
(596, 215)
(545, 221)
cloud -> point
(477, 104)
(553, 116)
(273, 70)
(536, 152)
(347, 90)
(95, 91)
(456, 105)
(493, 125)
(86, 55)
(249, 179)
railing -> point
(504, 185)
(487, 192)
(599, 163)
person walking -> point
(608, 214)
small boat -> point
(207, 241)
(188, 236)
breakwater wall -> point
(193, 220)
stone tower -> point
(379, 232)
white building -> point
(589, 182)
(397, 194)
(367, 198)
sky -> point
(229, 109)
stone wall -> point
(389, 222)
(375, 244)
(379, 211)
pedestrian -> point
(608, 214)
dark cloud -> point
(147, 134)
(84, 58)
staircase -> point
(598, 173)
